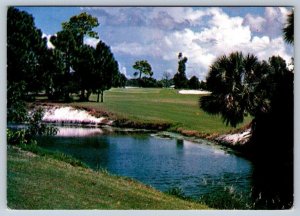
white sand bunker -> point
(198, 92)
(71, 115)
(236, 138)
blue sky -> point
(158, 34)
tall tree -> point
(84, 67)
(180, 79)
(80, 26)
(242, 85)
(106, 70)
(70, 41)
(24, 46)
(53, 68)
(64, 41)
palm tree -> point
(228, 81)
(242, 85)
(288, 30)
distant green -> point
(159, 105)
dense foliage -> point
(242, 85)
(25, 48)
(71, 67)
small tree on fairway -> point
(194, 83)
(142, 67)
(180, 80)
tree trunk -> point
(82, 96)
(98, 93)
(102, 93)
(140, 79)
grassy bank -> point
(41, 182)
(158, 107)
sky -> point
(158, 34)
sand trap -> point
(71, 115)
(198, 92)
(241, 138)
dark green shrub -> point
(16, 137)
(35, 127)
(226, 199)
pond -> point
(163, 163)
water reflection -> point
(161, 163)
(78, 132)
(179, 143)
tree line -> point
(71, 67)
(179, 80)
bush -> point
(226, 199)
(16, 107)
(16, 137)
(35, 127)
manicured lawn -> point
(159, 105)
(36, 182)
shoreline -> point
(127, 193)
(235, 141)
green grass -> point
(42, 182)
(159, 106)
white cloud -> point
(271, 23)
(49, 44)
(134, 49)
(159, 34)
(256, 23)
(186, 42)
(265, 47)
(224, 35)
(123, 70)
(91, 41)
(164, 17)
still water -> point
(163, 163)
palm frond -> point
(288, 30)
(210, 104)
